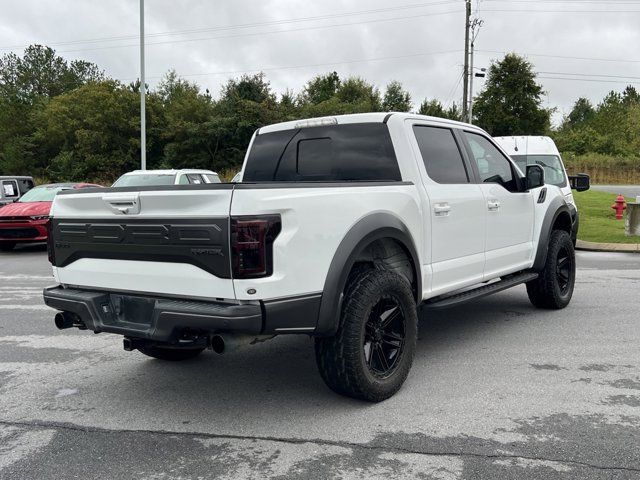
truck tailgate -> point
(166, 241)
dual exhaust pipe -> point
(219, 344)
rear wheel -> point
(170, 354)
(370, 356)
(554, 287)
(7, 246)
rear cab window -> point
(334, 153)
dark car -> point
(26, 220)
(13, 187)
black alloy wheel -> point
(563, 270)
(384, 337)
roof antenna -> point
(516, 142)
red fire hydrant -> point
(620, 206)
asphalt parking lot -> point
(498, 390)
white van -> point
(533, 150)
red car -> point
(26, 220)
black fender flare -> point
(367, 230)
(557, 207)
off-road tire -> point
(341, 358)
(170, 354)
(7, 246)
(549, 289)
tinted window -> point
(327, 153)
(441, 155)
(553, 169)
(492, 164)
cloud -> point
(421, 47)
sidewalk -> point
(608, 247)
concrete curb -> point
(607, 247)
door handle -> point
(493, 205)
(442, 209)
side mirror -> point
(580, 182)
(535, 177)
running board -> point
(468, 295)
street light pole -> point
(143, 93)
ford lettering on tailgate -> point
(200, 242)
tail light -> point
(50, 251)
(252, 245)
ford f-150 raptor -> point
(339, 229)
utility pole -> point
(465, 74)
(470, 119)
(143, 93)
(475, 30)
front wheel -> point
(370, 356)
(554, 287)
(170, 354)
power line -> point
(590, 59)
(575, 2)
(319, 27)
(309, 65)
(244, 25)
(589, 80)
(528, 10)
(590, 75)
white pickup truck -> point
(340, 228)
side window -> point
(10, 188)
(210, 178)
(194, 178)
(492, 164)
(441, 155)
(183, 180)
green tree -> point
(396, 99)
(245, 105)
(434, 108)
(182, 126)
(511, 102)
(359, 94)
(40, 73)
(91, 132)
(581, 114)
(321, 88)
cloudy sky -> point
(579, 47)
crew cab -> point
(340, 228)
(541, 150)
(145, 178)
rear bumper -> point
(168, 320)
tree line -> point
(67, 120)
